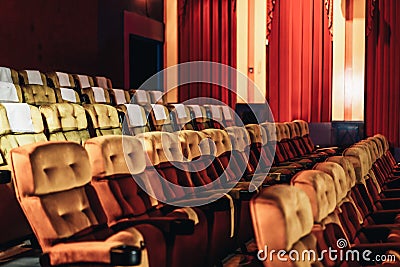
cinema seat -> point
(32, 77)
(157, 97)
(180, 115)
(54, 195)
(230, 167)
(64, 86)
(35, 90)
(320, 189)
(228, 115)
(21, 124)
(103, 82)
(104, 119)
(134, 119)
(119, 96)
(198, 115)
(58, 79)
(240, 141)
(260, 156)
(83, 81)
(308, 143)
(65, 122)
(214, 113)
(9, 75)
(159, 119)
(96, 95)
(10, 92)
(141, 98)
(116, 160)
(283, 220)
(165, 155)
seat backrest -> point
(257, 134)
(39, 95)
(104, 118)
(35, 90)
(194, 145)
(102, 82)
(261, 155)
(118, 169)
(233, 167)
(60, 80)
(50, 180)
(221, 139)
(83, 81)
(96, 95)
(20, 124)
(157, 97)
(66, 122)
(135, 121)
(305, 134)
(347, 167)
(160, 119)
(198, 115)
(270, 129)
(33, 77)
(359, 158)
(68, 95)
(64, 86)
(320, 188)
(287, 210)
(120, 96)
(240, 138)
(228, 115)
(10, 92)
(164, 155)
(9, 75)
(180, 115)
(339, 178)
(215, 115)
(141, 97)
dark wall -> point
(49, 35)
(74, 36)
(111, 32)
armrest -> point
(98, 252)
(378, 233)
(390, 204)
(169, 225)
(322, 149)
(280, 177)
(5, 176)
(393, 184)
(391, 193)
(289, 168)
(125, 255)
(384, 216)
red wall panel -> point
(49, 35)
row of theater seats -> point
(229, 219)
(347, 203)
(236, 154)
(68, 182)
(35, 88)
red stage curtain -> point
(207, 32)
(300, 61)
(382, 104)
